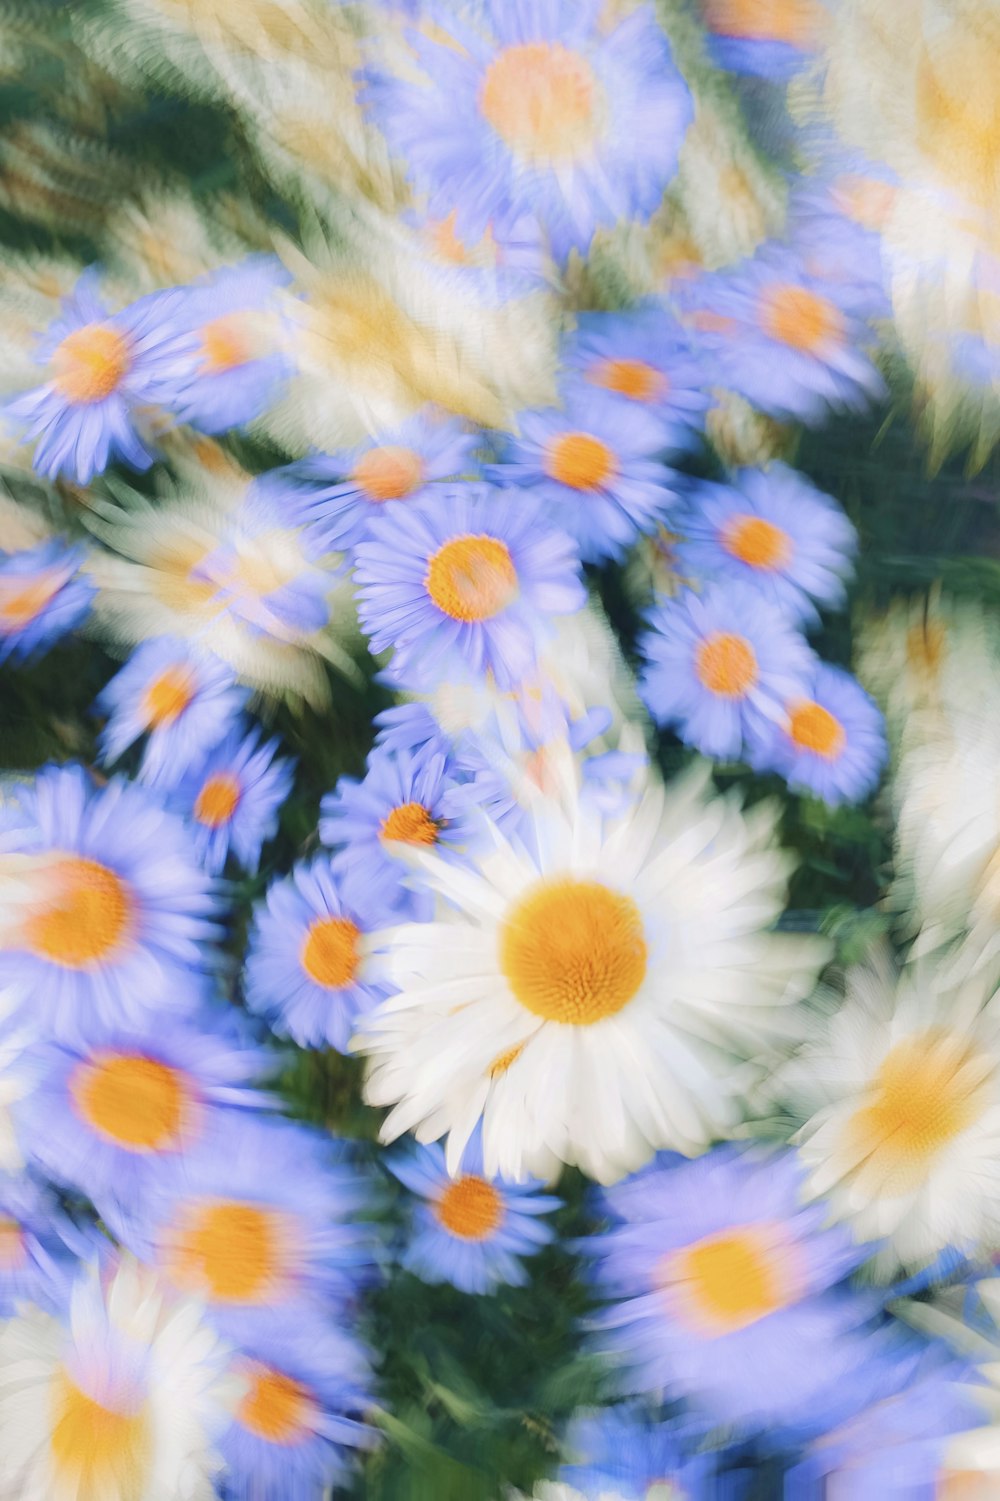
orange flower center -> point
(633, 378)
(573, 951)
(795, 22)
(11, 1243)
(801, 319)
(22, 600)
(580, 461)
(815, 729)
(410, 823)
(447, 246)
(470, 1208)
(728, 1281)
(276, 1408)
(91, 363)
(224, 344)
(167, 696)
(471, 578)
(133, 1101)
(86, 918)
(229, 1251)
(389, 473)
(541, 99)
(756, 542)
(95, 1450)
(726, 664)
(218, 799)
(330, 952)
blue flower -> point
(462, 584)
(406, 802)
(106, 1113)
(403, 464)
(42, 597)
(103, 368)
(299, 1421)
(409, 727)
(642, 359)
(772, 530)
(227, 369)
(470, 1230)
(231, 800)
(721, 665)
(773, 38)
(509, 260)
(595, 462)
(183, 699)
(108, 918)
(38, 1246)
(829, 741)
(308, 968)
(724, 1290)
(834, 227)
(624, 1451)
(790, 342)
(534, 108)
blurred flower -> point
(231, 800)
(775, 38)
(43, 596)
(37, 1242)
(628, 1453)
(830, 743)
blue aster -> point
(509, 260)
(38, 1246)
(829, 741)
(232, 798)
(43, 596)
(625, 1451)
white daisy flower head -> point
(591, 1001)
(899, 1093)
(121, 1402)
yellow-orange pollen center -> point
(471, 578)
(580, 461)
(793, 22)
(11, 1242)
(228, 1250)
(470, 1208)
(726, 664)
(729, 1281)
(756, 542)
(224, 344)
(276, 1408)
(167, 696)
(102, 1452)
(389, 473)
(925, 1094)
(632, 378)
(801, 319)
(22, 599)
(410, 823)
(448, 246)
(813, 728)
(136, 1102)
(85, 918)
(573, 951)
(218, 799)
(330, 953)
(540, 98)
(91, 363)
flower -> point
(625, 1451)
(107, 915)
(123, 1401)
(36, 1246)
(787, 341)
(720, 665)
(184, 700)
(595, 463)
(721, 1286)
(830, 743)
(774, 531)
(470, 1230)
(464, 584)
(43, 596)
(404, 464)
(898, 1093)
(506, 262)
(231, 800)
(537, 110)
(406, 801)
(309, 969)
(589, 1002)
(774, 38)
(103, 370)
(106, 1113)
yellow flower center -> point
(471, 578)
(580, 461)
(22, 600)
(573, 951)
(470, 1208)
(633, 378)
(167, 696)
(756, 542)
(218, 799)
(224, 344)
(795, 22)
(541, 99)
(726, 664)
(11, 1243)
(801, 319)
(275, 1408)
(728, 1281)
(926, 1093)
(135, 1102)
(91, 363)
(410, 823)
(86, 918)
(228, 1251)
(97, 1451)
(389, 473)
(813, 728)
(330, 953)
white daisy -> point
(900, 1095)
(591, 1003)
(121, 1404)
